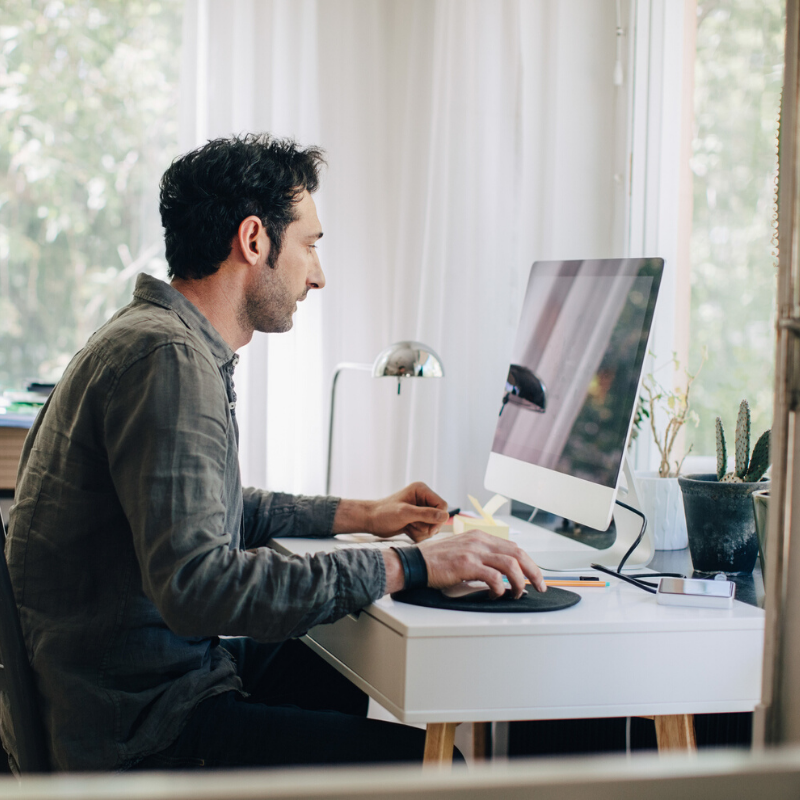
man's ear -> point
(252, 240)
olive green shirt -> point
(132, 545)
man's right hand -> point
(473, 556)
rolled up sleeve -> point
(268, 515)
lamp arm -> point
(339, 368)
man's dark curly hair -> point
(207, 193)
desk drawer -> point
(592, 675)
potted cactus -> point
(719, 506)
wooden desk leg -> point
(481, 738)
(439, 744)
(675, 732)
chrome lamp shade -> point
(407, 360)
(398, 360)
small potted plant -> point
(719, 506)
(659, 493)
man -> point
(132, 546)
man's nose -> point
(316, 277)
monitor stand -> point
(581, 556)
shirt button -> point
(232, 405)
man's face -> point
(272, 297)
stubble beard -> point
(268, 306)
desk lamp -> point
(398, 360)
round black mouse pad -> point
(553, 599)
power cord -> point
(638, 538)
(648, 587)
(636, 579)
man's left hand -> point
(415, 510)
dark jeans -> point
(300, 711)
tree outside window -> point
(88, 123)
(738, 79)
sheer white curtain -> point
(465, 139)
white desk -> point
(615, 654)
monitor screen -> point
(571, 387)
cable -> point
(637, 543)
(638, 538)
(658, 575)
(641, 584)
(636, 579)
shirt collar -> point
(153, 290)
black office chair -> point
(16, 680)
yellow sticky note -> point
(463, 524)
(486, 523)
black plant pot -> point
(720, 523)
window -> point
(738, 79)
(88, 110)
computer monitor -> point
(566, 411)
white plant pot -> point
(662, 504)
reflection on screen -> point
(571, 386)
